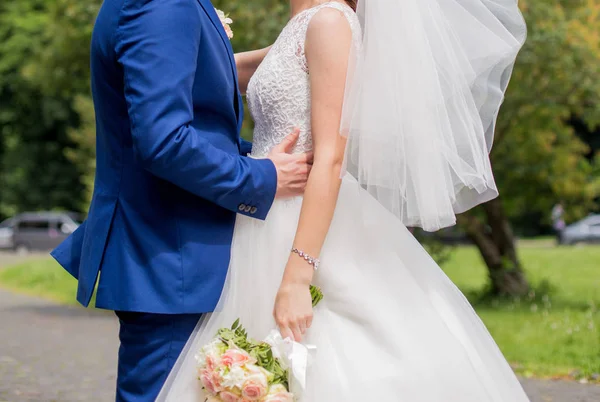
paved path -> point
(561, 391)
(54, 353)
(65, 354)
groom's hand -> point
(292, 169)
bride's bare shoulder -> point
(328, 28)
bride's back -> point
(279, 91)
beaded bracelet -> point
(315, 262)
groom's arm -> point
(157, 46)
(245, 147)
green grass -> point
(553, 332)
(43, 277)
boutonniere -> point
(226, 21)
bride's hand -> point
(293, 310)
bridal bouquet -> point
(235, 368)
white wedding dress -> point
(392, 326)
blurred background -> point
(527, 261)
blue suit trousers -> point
(150, 346)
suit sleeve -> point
(157, 46)
(245, 147)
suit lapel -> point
(210, 11)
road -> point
(55, 353)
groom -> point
(171, 176)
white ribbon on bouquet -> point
(294, 357)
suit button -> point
(253, 210)
(242, 207)
(248, 208)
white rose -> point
(276, 389)
(235, 378)
(224, 19)
(213, 349)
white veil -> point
(422, 100)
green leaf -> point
(316, 294)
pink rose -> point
(211, 363)
(278, 393)
(255, 387)
(235, 357)
(227, 396)
(206, 378)
(280, 397)
(228, 31)
(216, 379)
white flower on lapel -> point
(226, 21)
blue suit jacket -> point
(170, 175)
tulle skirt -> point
(392, 326)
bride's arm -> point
(247, 63)
(327, 50)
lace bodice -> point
(279, 92)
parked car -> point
(586, 230)
(6, 234)
(39, 231)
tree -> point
(36, 112)
(83, 154)
(537, 158)
(64, 70)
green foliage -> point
(538, 160)
(316, 294)
(41, 73)
(83, 153)
(43, 278)
(256, 24)
(66, 72)
(261, 351)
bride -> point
(415, 86)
